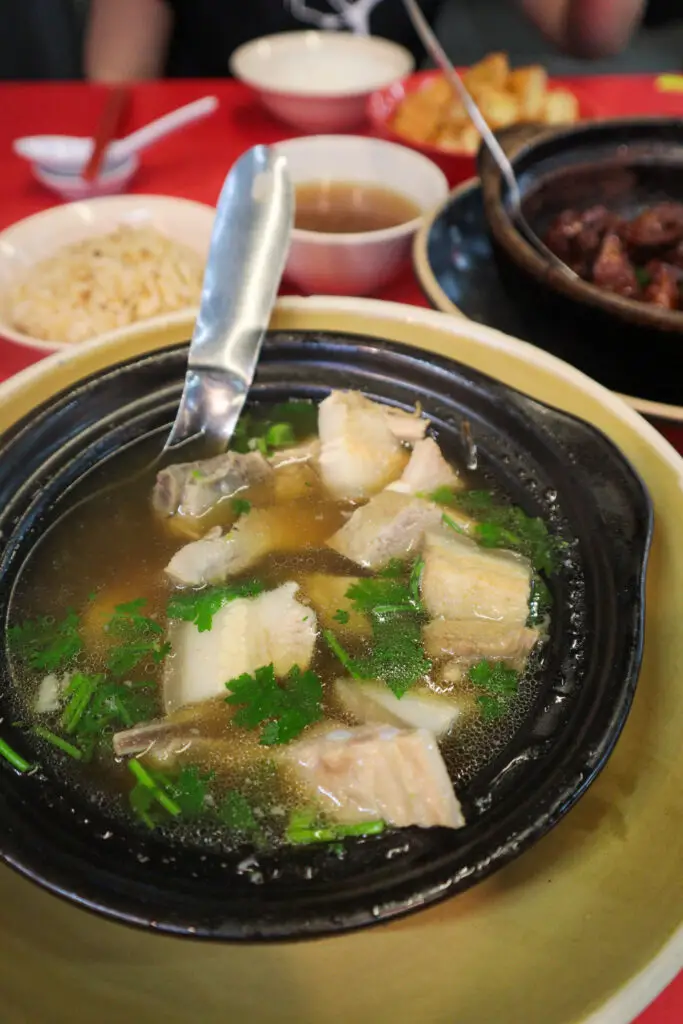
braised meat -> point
(638, 259)
(576, 237)
(613, 270)
(660, 226)
(663, 288)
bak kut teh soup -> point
(322, 634)
(340, 207)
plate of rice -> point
(100, 267)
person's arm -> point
(126, 39)
(586, 28)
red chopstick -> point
(107, 127)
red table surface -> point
(194, 165)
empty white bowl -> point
(319, 80)
(358, 263)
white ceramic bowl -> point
(36, 238)
(358, 263)
(73, 187)
(319, 80)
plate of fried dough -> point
(422, 111)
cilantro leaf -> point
(540, 601)
(240, 506)
(236, 813)
(498, 684)
(46, 644)
(505, 526)
(389, 590)
(128, 623)
(394, 570)
(189, 790)
(284, 709)
(122, 660)
(470, 503)
(491, 707)
(140, 638)
(341, 616)
(494, 677)
(200, 606)
(366, 594)
(397, 656)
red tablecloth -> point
(194, 165)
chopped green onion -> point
(450, 522)
(57, 741)
(146, 780)
(279, 435)
(81, 689)
(308, 827)
(16, 760)
(343, 655)
(415, 582)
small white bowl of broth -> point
(359, 202)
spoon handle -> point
(247, 257)
(162, 126)
(438, 55)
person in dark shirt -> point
(136, 39)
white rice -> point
(104, 283)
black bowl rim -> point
(442, 887)
(529, 259)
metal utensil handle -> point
(438, 54)
(247, 256)
(246, 261)
(436, 51)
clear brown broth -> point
(74, 563)
(345, 207)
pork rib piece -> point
(374, 772)
(246, 634)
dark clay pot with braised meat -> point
(640, 258)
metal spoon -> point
(247, 255)
(436, 51)
(249, 245)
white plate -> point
(37, 238)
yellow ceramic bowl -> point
(585, 927)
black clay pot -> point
(626, 165)
(550, 463)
